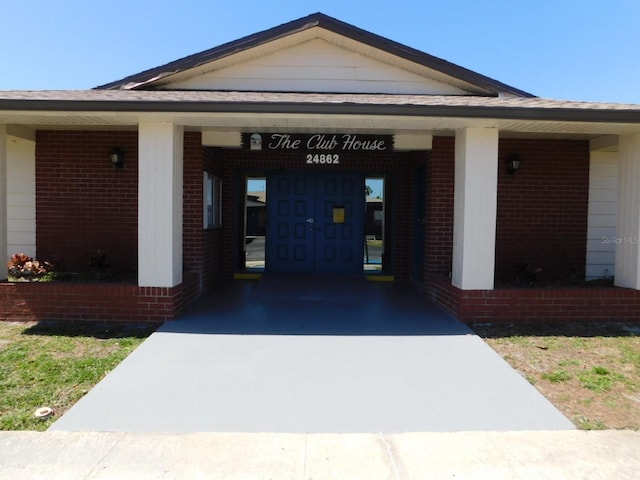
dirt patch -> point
(589, 371)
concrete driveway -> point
(299, 354)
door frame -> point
(237, 196)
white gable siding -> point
(21, 196)
(601, 229)
(316, 66)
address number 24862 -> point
(323, 159)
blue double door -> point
(315, 223)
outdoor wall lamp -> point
(117, 157)
(513, 164)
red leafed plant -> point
(22, 266)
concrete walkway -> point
(555, 455)
(297, 355)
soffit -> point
(304, 123)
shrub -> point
(100, 266)
(22, 267)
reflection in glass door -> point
(374, 224)
(255, 223)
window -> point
(212, 201)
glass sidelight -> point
(374, 224)
(255, 223)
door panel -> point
(339, 246)
(289, 247)
(303, 236)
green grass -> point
(584, 423)
(570, 363)
(599, 379)
(630, 354)
(520, 340)
(54, 364)
(557, 376)
(580, 343)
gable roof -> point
(482, 85)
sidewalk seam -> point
(396, 470)
(115, 444)
(306, 443)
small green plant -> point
(583, 423)
(631, 353)
(22, 267)
(526, 274)
(557, 376)
(569, 363)
(587, 401)
(579, 343)
(599, 379)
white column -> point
(160, 186)
(4, 254)
(475, 201)
(603, 211)
(628, 227)
(21, 195)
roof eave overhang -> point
(476, 112)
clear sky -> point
(562, 49)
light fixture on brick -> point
(117, 157)
(513, 164)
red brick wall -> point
(542, 209)
(541, 220)
(202, 247)
(439, 205)
(99, 302)
(538, 305)
(82, 202)
(213, 253)
(192, 202)
(404, 223)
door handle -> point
(310, 220)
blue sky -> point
(575, 50)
